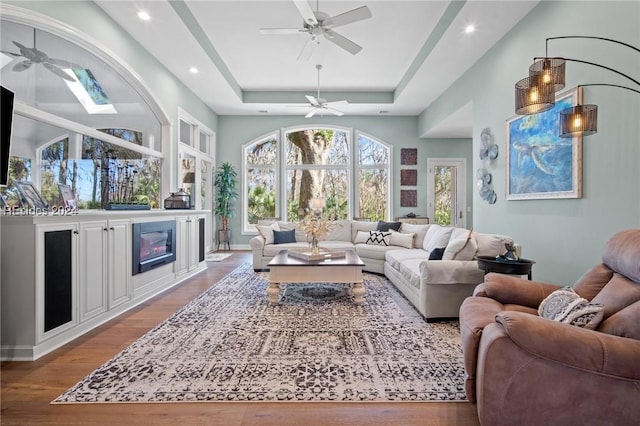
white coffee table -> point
(287, 269)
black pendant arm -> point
(610, 85)
(592, 38)
(597, 65)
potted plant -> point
(225, 185)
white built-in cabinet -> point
(104, 266)
(65, 275)
(190, 233)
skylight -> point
(86, 88)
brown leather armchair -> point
(525, 369)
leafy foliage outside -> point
(443, 195)
(317, 164)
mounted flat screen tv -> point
(6, 120)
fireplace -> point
(154, 245)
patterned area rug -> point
(229, 344)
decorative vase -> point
(314, 245)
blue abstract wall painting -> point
(540, 164)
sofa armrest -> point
(573, 346)
(508, 289)
(256, 243)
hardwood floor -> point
(29, 387)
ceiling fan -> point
(34, 55)
(318, 24)
(321, 105)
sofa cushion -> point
(340, 231)
(419, 230)
(370, 251)
(282, 237)
(267, 232)
(397, 256)
(388, 226)
(566, 306)
(378, 238)
(410, 271)
(491, 244)
(594, 280)
(437, 237)
(361, 237)
(619, 293)
(357, 225)
(623, 323)
(401, 239)
(461, 246)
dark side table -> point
(519, 267)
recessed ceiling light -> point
(469, 29)
(383, 111)
(193, 70)
(263, 111)
(144, 15)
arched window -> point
(320, 161)
(81, 108)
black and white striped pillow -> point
(378, 238)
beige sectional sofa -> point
(435, 287)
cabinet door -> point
(194, 242)
(182, 243)
(58, 278)
(119, 269)
(93, 273)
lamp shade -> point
(550, 71)
(316, 203)
(533, 96)
(580, 120)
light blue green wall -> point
(565, 237)
(401, 132)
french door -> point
(447, 192)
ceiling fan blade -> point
(15, 55)
(282, 31)
(313, 101)
(63, 64)
(22, 66)
(354, 15)
(308, 49)
(337, 104)
(312, 113)
(343, 42)
(334, 111)
(306, 12)
(57, 71)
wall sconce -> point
(536, 93)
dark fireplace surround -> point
(154, 245)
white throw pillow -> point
(401, 239)
(461, 248)
(361, 237)
(437, 237)
(419, 230)
(267, 232)
(491, 244)
(378, 238)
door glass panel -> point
(444, 194)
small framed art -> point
(408, 156)
(30, 196)
(68, 197)
(408, 198)
(408, 177)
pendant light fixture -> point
(536, 93)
